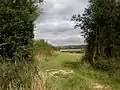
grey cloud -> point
(54, 24)
(61, 9)
(69, 41)
(55, 27)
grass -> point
(17, 76)
(72, 50)
(83, 78)
(55, 62)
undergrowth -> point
(18, 75)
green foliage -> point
(16, 44)
(110, 66)
(72, 47)
(100, 24)
(43, 48)
(16, 28)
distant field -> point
(72, 50)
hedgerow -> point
(16, 44)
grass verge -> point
(83, 77)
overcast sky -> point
(54, 24)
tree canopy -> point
(16, 27)
(100, 26)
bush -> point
(16, 44)
(43, 48)
(111, 66)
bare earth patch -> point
(97, 86)
(59, 73)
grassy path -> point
(65, 72)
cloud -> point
(71, 40)
(54, 23)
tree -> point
(16, 29)
(100, 25)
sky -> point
(54, 23)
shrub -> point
(16, 43)
(111, 66)
(43, 48)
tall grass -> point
(20, 75)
